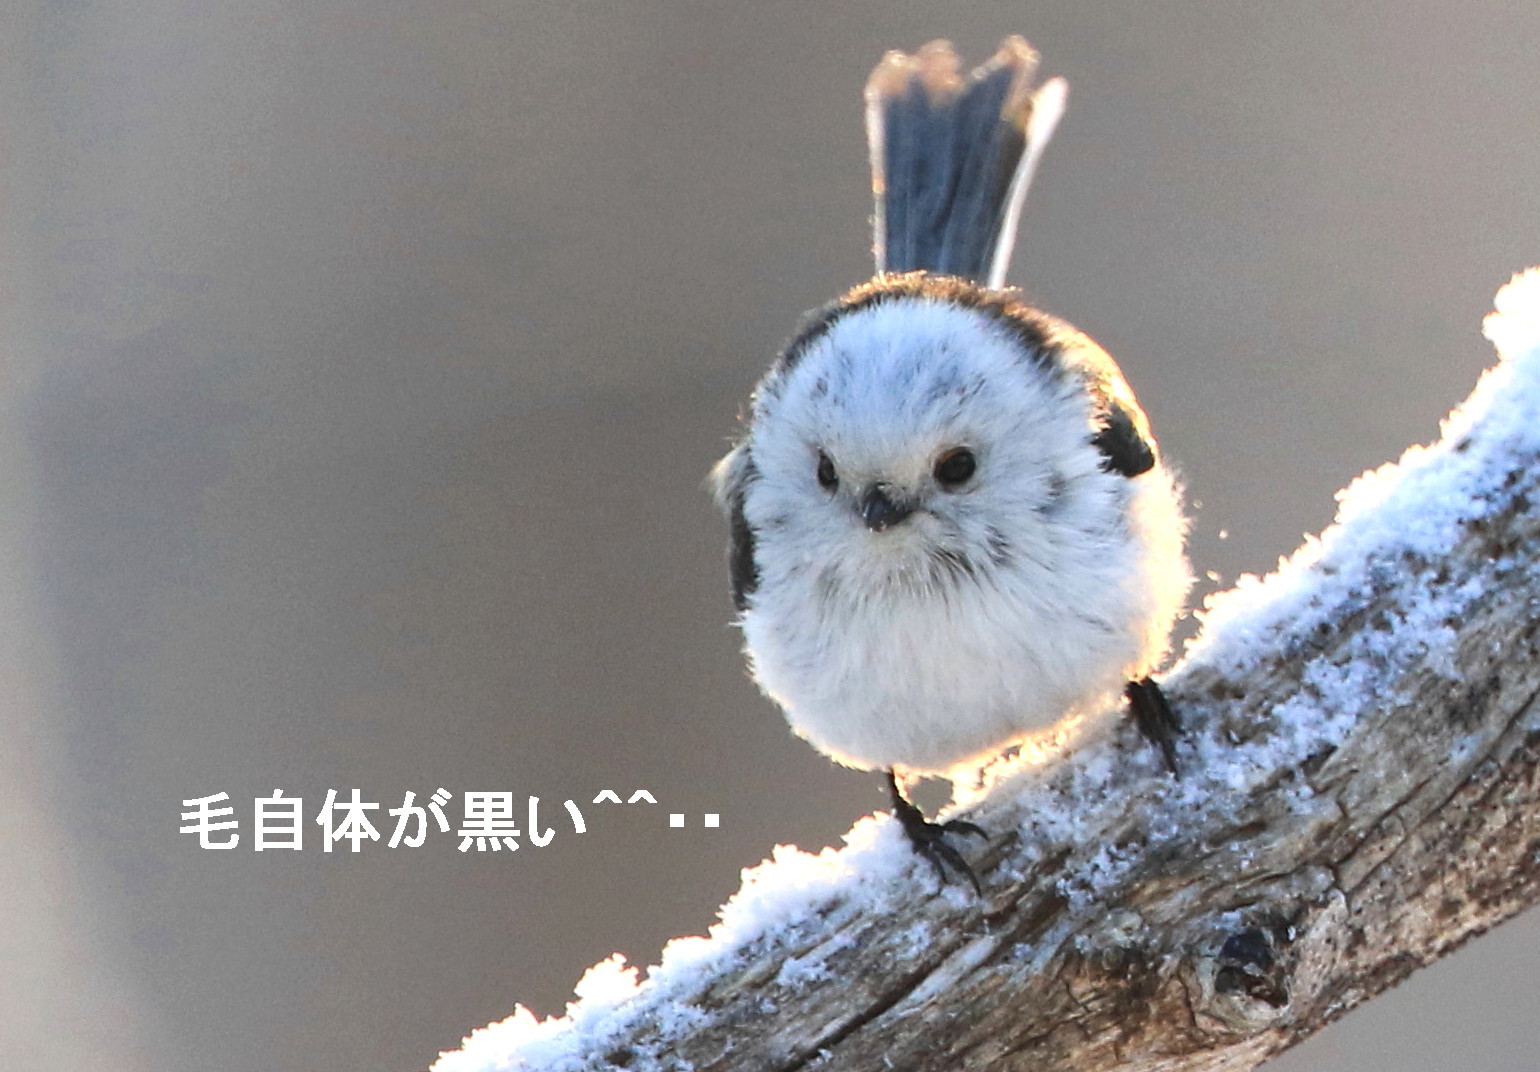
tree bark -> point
(1358, 795)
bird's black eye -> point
(826, 474)
(955, 467)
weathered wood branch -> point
(1360, 794)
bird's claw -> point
(1156, 720)
(929, 839)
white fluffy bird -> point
(950, 526)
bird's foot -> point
(929, 839)
(1154, 717)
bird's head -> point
(914, 435)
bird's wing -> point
(952, 157)
(730, 479)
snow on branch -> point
(1360, 793)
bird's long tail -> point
(952, 157)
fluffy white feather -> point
(1034, 591)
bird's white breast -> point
(929, 678)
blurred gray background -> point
(362, 362)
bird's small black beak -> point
(881, 512)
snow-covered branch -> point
(1360, 793)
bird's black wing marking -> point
(952, 157)
(742, 571)
(1124, 442)
(1122, 430)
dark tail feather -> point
(952, 157)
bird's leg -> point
(929, 839)
(1154, 717)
